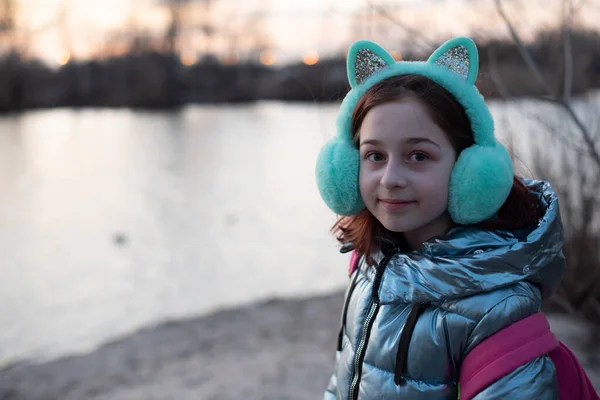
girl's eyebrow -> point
(415, 140)
(374, 142)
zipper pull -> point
(346, 247)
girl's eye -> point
(375, 157)
(418, 157)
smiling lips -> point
(395, 205)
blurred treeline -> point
(151, 79)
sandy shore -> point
(281, 349)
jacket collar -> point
(471, 260)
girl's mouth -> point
(394, 205)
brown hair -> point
(364, 231)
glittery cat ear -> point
(460, 56)
(365, 59)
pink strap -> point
(573, 382)
(353, 261)
(505, 351)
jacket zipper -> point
(366, 330)
(360, 351)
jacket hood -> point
(471, 260)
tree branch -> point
(587, 137)
(579, 5)
(412, 32)
(522, 50)
(553, 129)
(567, 25)
(564, 303)
(495, 75)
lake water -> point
(113, 220)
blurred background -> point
(157, 165)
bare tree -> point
(178, 9)
(21, 37)
(207, 24)
(577, 177)
(564, 102)
(8, 16)
(415, 35)
(174, 25)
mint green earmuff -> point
(482, 176)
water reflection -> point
(209, 206)
(111, 220)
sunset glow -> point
(189, 58)
(396, 54)
(304, 31)
(310, 57)
(267, 57)
(63, 58)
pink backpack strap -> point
(573, 382)
(354, 259)
(504, 352)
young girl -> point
(453, 246)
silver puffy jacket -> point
(408, 323)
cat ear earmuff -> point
(482, 176)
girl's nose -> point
(393, 176)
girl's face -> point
(405, 166)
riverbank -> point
(281, 349)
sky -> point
(289, 28)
